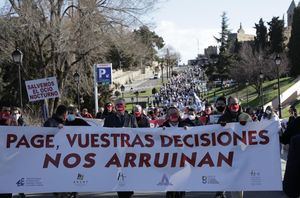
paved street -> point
(266, 194)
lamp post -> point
(162, 71)
(76, 77)
(261, 77)
(132, 102)
(278, 62)
(17, 57)
(122, 90)
(247, 84)
(137, 96)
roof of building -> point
(241, 30)
(292, 7)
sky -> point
(187, 24)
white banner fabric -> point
(94, 159)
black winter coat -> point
(116, 120)
(292, 129)
(77, 122)
(291, 185)
(54, 121)
(228, 117)
(143, 121)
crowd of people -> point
(177, 105)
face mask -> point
(16, 116)
(71, 117)
(174, 118)
(137, 114)
(234, 108)
(120, 107)
(192, 117)
(220, 108)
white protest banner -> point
(85, 159)
(41, 89)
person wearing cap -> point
(108, 109)
(141, 118)
(232, 112)
(118, 120)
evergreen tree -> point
(294, 44)
(261, 39)
(276, 35)
(222, 66)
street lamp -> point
(132, 102)
(278, 62)
(137, 96)
(122, 90)
(76, 77)
(247, 84)
(17, 57)
(261, 76)
(162, 71)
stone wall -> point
(127, 77)
(288, 96)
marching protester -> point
(85, 113)
(269, 114)
(119, 119)
(4, 115)
(192, 118)
(59, 118)
(293, 114)
(232, 112)
(99, 113)
(205, 117)
(16, 118)
(141, 118)
(173, 120)
(108, 109)
(73, 120)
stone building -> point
(290, 13)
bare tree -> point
(251, 63)
(59, 38)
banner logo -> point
(255, 178)
(30, 182)
(164, 181)
(209, 180)
(21, 182)
(80, 180)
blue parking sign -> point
(104, 74)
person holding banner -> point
(141, 118)
(118, 120)
(173, 120)
(232, 112)
(59, 118)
